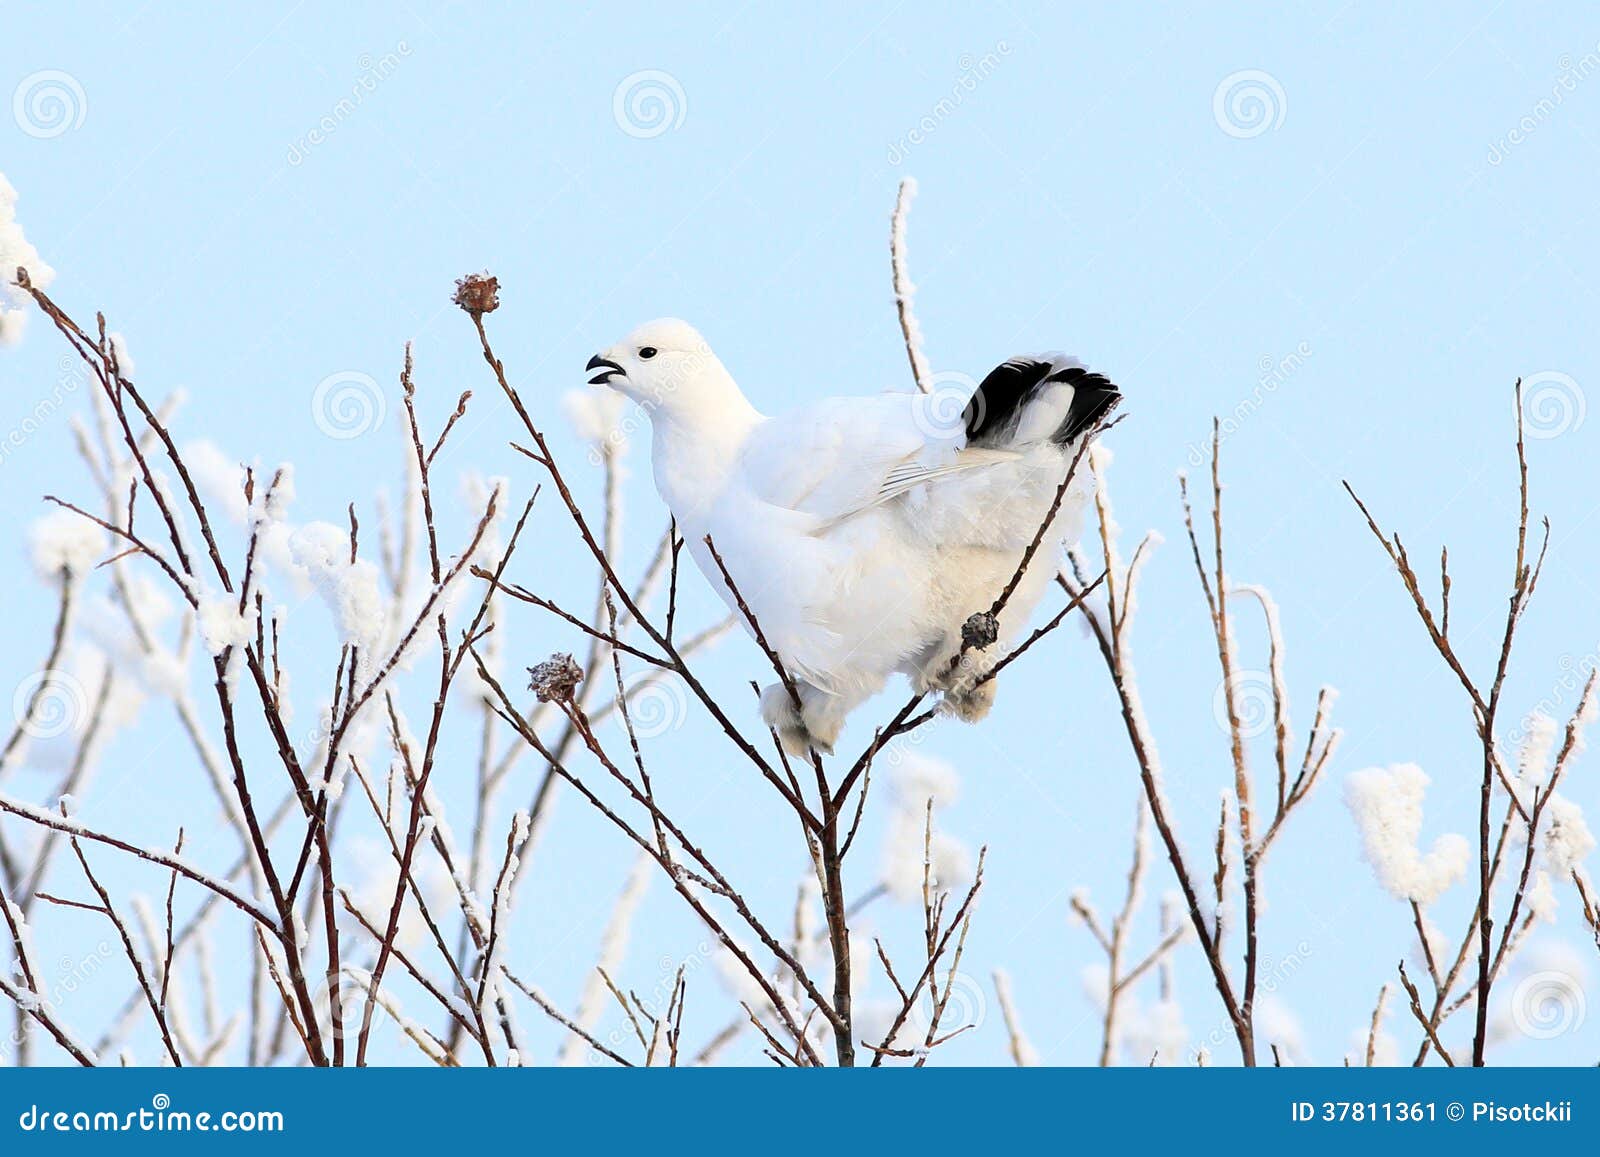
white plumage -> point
(864, 531)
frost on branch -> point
(1386, 804)
(349, 586)
(1568, 840)
(63, 540)
(223, 625)
(17, 255)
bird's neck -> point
(696, 443)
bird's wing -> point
(824, 458)
(837, 458)
(911, 473)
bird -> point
(862, 534)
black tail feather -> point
(1093, 397)
(993, 414)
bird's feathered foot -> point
(816, 725)
(969, 702)
(957, 677)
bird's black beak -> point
(608, 370)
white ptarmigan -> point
(864, 531)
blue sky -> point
(1411, 225)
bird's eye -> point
(647, 352)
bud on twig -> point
(980, 631)
(478, 293)
(556, 679)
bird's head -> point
(663, 364)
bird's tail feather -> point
(1034, 399)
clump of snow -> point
(1147, 1034)
(596, 415)
(1437, 943)
(162, 673)
(351, 589)
(268, 518)
(83, 689)
(736, 980)
(16, 252)
(275, 499)
(1544, 995)
(1386, 804)
(64, 540)
(1385, 1048)
(1539, 739)
(107, 625)
(1588, 712)
(918, 782)
(1095, 980)
(147, 598)
(1567, 838)
(1541, 898)
(119, 349)
(222, 625)
(375, 876)
(12, 323)
(1023, 1052)
(1560, 956)
(219, 479)
(1277, 1024)
(1153, 1034)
